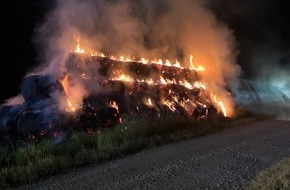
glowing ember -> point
(149, 103)
(113, 104)
(170, 105)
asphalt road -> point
(224, 160)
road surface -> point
(224, 160)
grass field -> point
(32, 162)
(274, 177)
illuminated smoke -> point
(166, 29)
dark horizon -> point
(260, 28)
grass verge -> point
(274, 177)
(34, 162)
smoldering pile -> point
(40, 116)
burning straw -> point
(196, 61)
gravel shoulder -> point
(228, 159)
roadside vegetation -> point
(274, 177)
(32, 161)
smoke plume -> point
(261, 29)
(166, 29)
(262, 32)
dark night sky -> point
(17, 52)
(256, 24)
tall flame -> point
(78, 48)
(64, 83)
(220, 104)
(70, 105)
(198, 68)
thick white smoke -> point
(147, 28)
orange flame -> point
(78, 48)
(223, 108)
(192, 67)
(220, 104)
(70, 105)
(64, 83)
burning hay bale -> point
(126, 87)
(146, 86)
